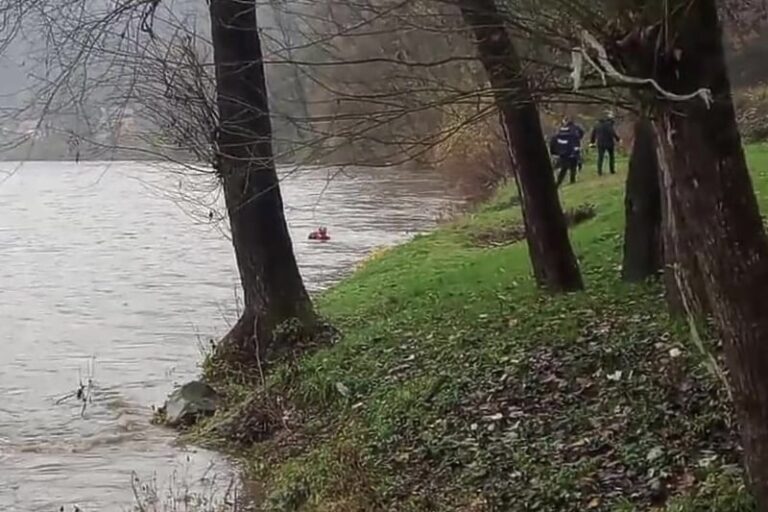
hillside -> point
(456, 385)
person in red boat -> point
(320, 234)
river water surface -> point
(122, 271)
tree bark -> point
(672, 258)
(684, 285)
(715, 216)
(642, 202)
(272, 286)
(554, 264)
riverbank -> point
(456, 385)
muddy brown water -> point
(120, 268)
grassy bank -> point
(456, 385)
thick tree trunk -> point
(716, 216)
(554, 263)
(273, 289)
(684, 285)
(642, 233)
(670, 252)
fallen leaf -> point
(341, 388)
(654, 454)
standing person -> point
(605, 136)
(579, 131)
(565, 145)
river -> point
(122, 271)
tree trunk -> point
(715, 215)
(272, 286)
(554, 263)
(642, 233)
(670, 252)
(684, 286)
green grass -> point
(456, 385)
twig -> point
(258, 353)
(607, 68)
(84, 392)
(136, 497)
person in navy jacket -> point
(565, 146)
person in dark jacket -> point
(605, 137)
(565, 145)
(579, 131)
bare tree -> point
(642, 236)
(274, 291)
(553, 260)
(144, 56)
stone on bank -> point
(187, 404)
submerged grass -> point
(456, 385)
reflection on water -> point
(98, 264)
